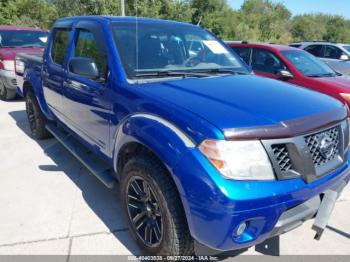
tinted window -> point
(265, 61)
(332, 52)
(22, 38)
(347, 47)
(307, 64)
(295, 45)
(59, 45)
(244, 53)
(316, 50)
(86, 46)
(161, 47)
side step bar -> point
(95, 165)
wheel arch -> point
(150, 134)
(29, 85)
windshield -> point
(149, 47)
(22, 38)
(307, 64)
(347, 47)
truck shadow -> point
(102, 201)
(105, 203)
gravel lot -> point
(50, 204)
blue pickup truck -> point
(206, 153)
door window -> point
(59, 45)
(244, 53)
(86, 46)
(315, 50)
(267, 62)
(332, 52)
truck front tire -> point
(153, 208)
(36, 118)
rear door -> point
(53, 72)
(316, 50)
(86, 101)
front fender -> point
(160, 136)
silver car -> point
(336, 55)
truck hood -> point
(10, 53)
(244, 101)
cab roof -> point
(108, 19)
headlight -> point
(240, 160)
(346, 97)
(19, 67)
(9, 65)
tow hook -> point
(326, 208)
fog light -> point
(240, 229)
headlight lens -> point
(240, 160)
(9, 65)
(19, 67)
(346, 97)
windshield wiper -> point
(170, 73)
(223, 71)
(7, 46)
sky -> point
(297, 7)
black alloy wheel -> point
(144, 212)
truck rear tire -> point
(36, 118)
(153, 208)
(6, 94)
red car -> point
(294, 66)
(13, 40)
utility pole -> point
(122, 4)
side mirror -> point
(85, 67)
(344, 57)
(285, 74)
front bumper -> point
(8, 78)
(215, 207)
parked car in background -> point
(207, 154)
(15, 39)
(336, 55)
(294, 66)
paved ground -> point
(50, 204)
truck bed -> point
(24, 61)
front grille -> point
(282, 157)
(314, 143)
(14, 82)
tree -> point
(265, 21)
(87, 7)
(165, 9)
(38, 13)
(215, 15)
(257, 20)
